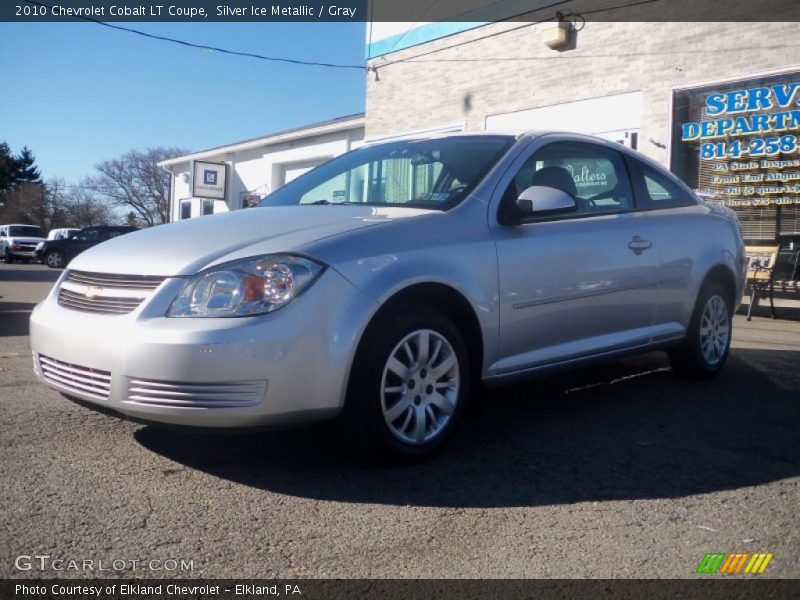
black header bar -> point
(415, 11)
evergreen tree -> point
(6, 169)
(24, 168)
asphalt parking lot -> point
(615, 471)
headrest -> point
(555, 177)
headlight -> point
(242, 288)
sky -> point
(80, 93)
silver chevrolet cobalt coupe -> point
(383, 285)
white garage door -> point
(617, 118)
(293, 170)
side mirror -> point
(542, 201)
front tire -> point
(54, 259)
(409, 385)
(703, 352)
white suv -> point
(19, 242)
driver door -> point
(577, 284)
(84, 240)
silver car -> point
(384, 284)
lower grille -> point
(174, 394)
(75, 378)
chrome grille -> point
(75, 378)
(110, 281)
(105, 293)
(175, 394)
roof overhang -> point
(333, 126)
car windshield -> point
(431, 173)
(25, 231)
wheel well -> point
(446, 300)
(723, 276)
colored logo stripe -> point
(734, 563)
(711, 562)
(758, 563)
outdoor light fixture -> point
(558, 34)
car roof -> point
(110, 227)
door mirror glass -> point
(541, 201)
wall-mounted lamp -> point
(558, 34)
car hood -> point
(186, 247)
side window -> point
(88, 235)
(592, 174)
(655, 189)
(186, 209)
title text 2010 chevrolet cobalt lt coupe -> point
(381, 285)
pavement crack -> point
(148, 514)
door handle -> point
(638, 244)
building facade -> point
(236, 176)
(718, 103)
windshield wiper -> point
(327, 202)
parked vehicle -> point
(55, 234)
(18, 242)
(58, 252)
(380, 286)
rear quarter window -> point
(655, 189)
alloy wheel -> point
(420, 387)
(714, 330)
(54, 260)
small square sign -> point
(208, 180)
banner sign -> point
(209, 179)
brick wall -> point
(609, 58)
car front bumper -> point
(23, 253)
(287, 366)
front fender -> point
(452, 249)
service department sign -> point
(209, 179)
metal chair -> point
(761, 261)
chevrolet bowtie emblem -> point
(92, 291)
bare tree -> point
(71, 205)
(136, 182)
(26, 203)
(84, 208)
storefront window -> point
(186, 209)
(208, 207)
(739, 144)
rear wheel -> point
(54, 259)
(703, 352)
(409, 385)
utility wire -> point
(414, 58)
(501, 32)
(581, 56)
(279, 59)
